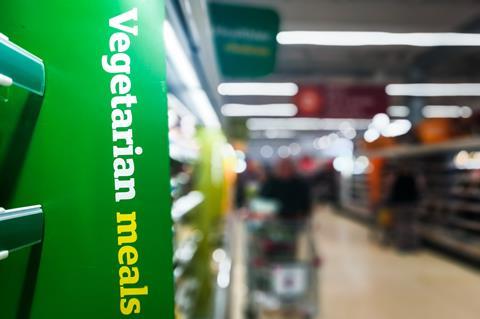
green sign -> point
(245, 39)
(93, 151)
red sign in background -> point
(341, 101)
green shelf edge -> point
(25, 69)
(20, 228)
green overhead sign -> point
(93, 151)
(245, 39)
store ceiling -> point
(304, 63)
(372, 64)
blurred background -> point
(325, 158)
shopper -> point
(403, 201)
(249, 183)
(287, 188)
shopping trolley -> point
(282, 269)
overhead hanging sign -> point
(245, 39)
(96, 160)
(341, 101)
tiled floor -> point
(360, 280)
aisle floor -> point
(361, 280)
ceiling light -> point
(347, 130)
(397, 128)
(343, 165)
(303, 124)
(340, 147)
(278, 134)
(248, 110)
(206, 112)
(434, 89)
(283, 151)
(446, 111)
(359, 38)
(371, 135)
(260, 89)
(295, 149)
(266, 151)
(183, 67)
(380, 121)
(350, 134)
(332, 137)
(322, 143)
(398, 111)
(178, 57)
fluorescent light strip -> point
(434, 89)
(397, 128)
(248, 110)
(178, 106)
(304, 124)
(178, 57)
(185, 70)
(206, 112)
(446, 111)
(272, 134)
(359, 38)
(398, 111)
(258, 89)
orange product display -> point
(381, 142)
(435, 130)
(375, 180)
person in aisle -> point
(286, 187)
(403, 199)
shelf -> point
(19, 228)
(358, 210)
(444, 238)
(466, 224)
(465, 206)
(20, 67)
(453, 205)
(185, 253)
(183, 154)
(185, 204)
(179, 184)
(466, 193)
(419, 150)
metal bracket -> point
(20, 228)
(20, 67)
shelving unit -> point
(186, 204)
(448, 213)
(355, 199)
(466, 143)
(194, 230)
(444, 238)
(184, 154)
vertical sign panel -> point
(94, 153)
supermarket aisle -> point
(363, 281)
